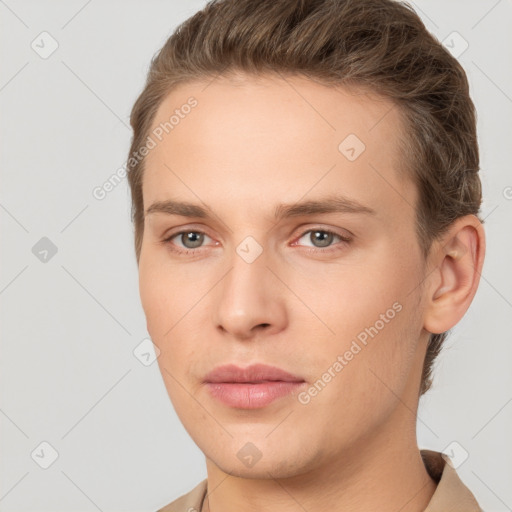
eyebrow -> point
(330, 204)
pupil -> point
(195, 238)
(324, 238)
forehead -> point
(278, 138)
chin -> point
(262, 470)
(261, 459)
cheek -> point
(171, 310)
(377, 324)
(364, 392)
(359, 298)
(153, 299)
(164, 297)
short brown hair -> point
(378, 45)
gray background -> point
(70, 324)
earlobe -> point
(458, 259)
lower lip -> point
(251, 396)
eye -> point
(322, 238)
(190, 239)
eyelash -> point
(344, 240)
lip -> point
(253, 387)
(251, 374)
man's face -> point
(343, 317)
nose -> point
(250, 300)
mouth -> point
(253, 387)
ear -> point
(457, 259)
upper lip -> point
(254, 374)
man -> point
(305, 189)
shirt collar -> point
(451, 493)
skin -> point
(250, 144)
